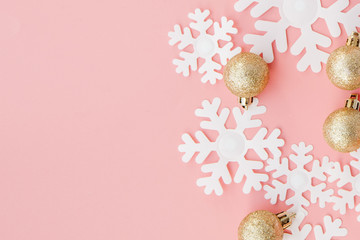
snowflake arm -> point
(346, 199)
(319, 169)
(190, 147)
(262, 44)
(223, 31)
(244, 120)
(241, 5)
(301, 158)
(335, 173)
(227, 52)
(201, 23)
(280, 168)
(332, 229)
(318, 194)
(253, 180)
(298, 233)
(188, 61)
(273, 143)
(262, 7)
(212, 183)
(216, 122)
(298, 201)
(209, 68)
(277, 192)
(279, 29)
(184, 39)
(351, 19)
(356, 154)
(334, 15)
(313, 57)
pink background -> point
(92, 112)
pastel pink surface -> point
(92, 112)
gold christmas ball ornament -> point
(342, 127)
(343, 65)
(246, 75)
(264, 225)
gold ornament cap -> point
(343, 65)
(341, 128)
(264, 225)
(246, 75)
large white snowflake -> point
(299, 180)
(231, 145)
(346, 198)
(301, 14)
(205, 46)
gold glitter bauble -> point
(261, 225)
(246, 75)
(343, 65)
(342, 130)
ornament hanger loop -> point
(353, 102)
(286, 218)
(353, 40)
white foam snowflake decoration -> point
(299, 180)
(205, 45)
(332, 229)
(301, 14)
(346, 198)
(231, 145)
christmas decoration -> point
(346, 198)
(231, 145)
(205, 46)
(297, 232)
(246, 75)
(332, 229)
(299, 180)
(341, 129)
(343, 65)
(300, 14)
(264, 225)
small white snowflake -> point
(332, 229)
(231, 145)
(205, 45)
(346, 198)
(301, 14)
(299, 180)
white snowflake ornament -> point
(231, 145)
(346, 198)
(332, 229)
(299, 180)
(205, 46)
(301, 14)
